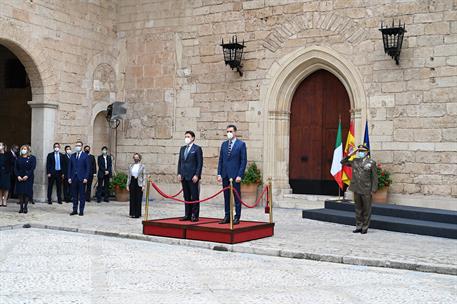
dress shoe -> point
(194, 219)
(74, 213)
(99, 201)
(236, 221)
(364, 231)
(226, 220)
(358, 230)
(60, 203)
(81, 213)
(186, 218)
(106, 201)
(49, 203)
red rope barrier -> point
(265, 190)
(183, 201)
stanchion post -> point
(148, 186)
(231, 204)
(270, 199)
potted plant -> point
(384, 181)
(250, 183)
(119, 184)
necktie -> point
(186, 152)
(230, 148)
(57, 159)
(77, 156)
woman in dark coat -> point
(5, 171)
(24, 167)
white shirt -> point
(135, 170)
(106, 163)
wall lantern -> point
(115, 112)
(393, 39)
(233, 53)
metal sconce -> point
(233, 53)
(392, 38)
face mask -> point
(136, 160)
(187, 140)
(57, 149)
(68, 151)
(15, 150)
(24, 151)
(229, 135)
(78, 149)
(1, 148)
(104, 151)
(361, 154)
(87, 151)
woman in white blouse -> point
(135, 185)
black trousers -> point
(89, 188)
(103, 188)
(66, 190)
(191, 192)
(57, 179)
(12, 192)
(136, 198)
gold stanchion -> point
(270, 199)
(231, 204)
(146, 207)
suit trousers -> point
(66, 190)
(191, 192)
(136, 198)
(237, 186)
(57, 179)
(79, 193)
(362, 210)
(103, 187)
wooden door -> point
(316, 106)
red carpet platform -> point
(208, 229)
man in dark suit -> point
(105, 172)
(54, 170)
(13, 154)
(78, 175)
(66, 185)
(190, 166)
(232, 163)
(93, 171)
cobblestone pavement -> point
(316, 240)
(45, 266)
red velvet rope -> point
(265, 190)
(183, 201)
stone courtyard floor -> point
(42, 266)
(294, 236)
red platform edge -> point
(208, 229)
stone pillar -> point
(43, 125)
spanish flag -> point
(350, 146)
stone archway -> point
(277, 91)
(45, 95)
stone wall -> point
(163, 58)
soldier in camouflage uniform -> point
(364, 182)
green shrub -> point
(252, 175)
(119, 181)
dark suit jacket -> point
(51, 163)
(79, 169)
(102, 167)
(193, 164)
(93, 165)
(233, 166)
(66, 164)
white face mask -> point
(187, 140)
(104, 152)
(230, 135)
(1, 148)
(24, 151)
(56, 149)
(68, 151)
(78, 149)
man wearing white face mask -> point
(190, 166)
(79, 170)
(232, 163)
(364, 182)
(54, 169)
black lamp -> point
(392, 38)
(233, 53)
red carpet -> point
(208, 229)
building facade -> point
(306, 63)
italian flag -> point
(337, 168)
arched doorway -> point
(101, 133)
(316, 106)
(15, 93)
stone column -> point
(43, 125)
